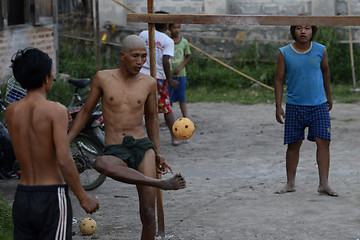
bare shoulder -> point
(146, 78)
(58, 106)
(44, 110)
(10, 110)
(104, 74)
(148, 81)
(55, 110)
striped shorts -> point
(297, 118)
(42, 212)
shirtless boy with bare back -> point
(130, 156)
(38, 130)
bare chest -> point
(125, 96)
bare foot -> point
(178, 142)
(327, 190)
(175, 183)
(286, 189)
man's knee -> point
(107, 164)
(100, 164)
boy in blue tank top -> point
(303, 66)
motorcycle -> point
(9, 167)
(89, 142)
(84, 148)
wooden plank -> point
(273, 20)
(97, 35)
(55, 14)
(152, 57)
(1, 16)
(151, 29)
(37, 12)
(160, 211)
(351, 50)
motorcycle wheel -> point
(84, 151)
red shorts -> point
(164, 105)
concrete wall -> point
(112, 13)
(269, 7)
(116, 14)
(15, 38)
(227, 41)
(323, 7)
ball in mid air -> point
(88, 226)
(183, 128)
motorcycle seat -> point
(80, 83)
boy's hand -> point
(177, 70)
(161, 165)
(90, 204)
(329, 104)
(174, 83)
(280, 115)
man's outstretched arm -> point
(66, 163)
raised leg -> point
(117, 169)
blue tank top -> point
(303, 75)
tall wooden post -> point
(56, 34)
(97, 35)
(1, 16)
(351, 51)
(159, 195)
(151, 28)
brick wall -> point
(18, 37)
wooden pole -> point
(151, 28)
(56, 34)
(1, 16)
(97, 35)
(351, 51)
(231, 68)
(246, 20)
(124, 6)
(159, 194)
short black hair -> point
(30, 67)
(313, 28)
(160, 26)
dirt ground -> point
(233, 164)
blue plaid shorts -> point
(297, 118)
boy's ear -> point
(122, 55)
(46, 79)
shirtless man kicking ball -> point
(130, 155)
